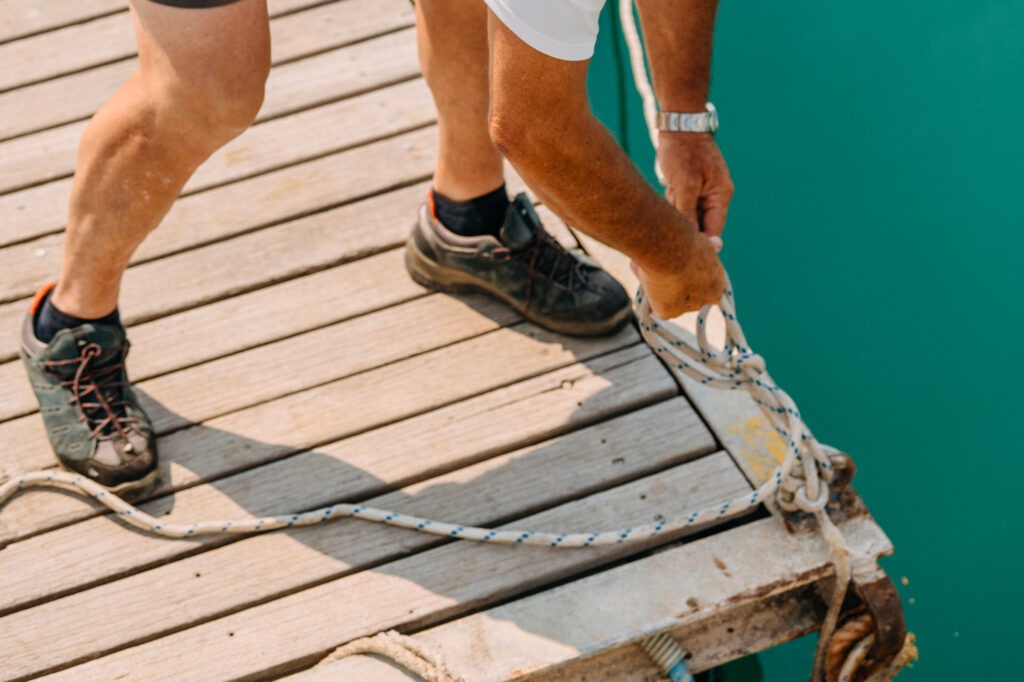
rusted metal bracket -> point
(844, 502)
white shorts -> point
(563, 29)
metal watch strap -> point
(675, 122)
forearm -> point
(590, 182)
(678, 34)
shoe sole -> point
(139, 487)
(430, 275)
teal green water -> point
(875, 244)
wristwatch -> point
(675, 122)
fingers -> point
(714, 218)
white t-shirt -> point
(563, 29)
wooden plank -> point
(372, 463)
(249, 572)
(306, 244)
(94, 42)
(716, 596)
(76, 96)
(42, 209)
(319, 415)
(50, 155)
(245, 206)
(733, 416)
(275, 254)
(20, 18)
(412, 592)
(61, 51)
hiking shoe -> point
(91, 414)
(525, 267)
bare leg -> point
(453, 52)
(199, 84)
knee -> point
(219, 103)
(526, 131)
(512, 133)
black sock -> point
(49, 320)
(473, 218)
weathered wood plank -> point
(371, 463)
(411, 592)
(274, 254)
(19, 18)
(319, 415)
(715, 596)
(99, 41)
(93, 42)
(76, 96)
(42, 209)
(244, 206)
(319, 356)
(50, 155)
(733, 416)
(250, 571)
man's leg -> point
(452, 38)
(199, 83)
(470, 236)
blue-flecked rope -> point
(797, 482)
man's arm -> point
(541, 121)
(679, 35)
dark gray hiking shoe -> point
(525, 267)
(91, 414)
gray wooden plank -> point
(720, 597)
(76, 96)
(412, 592)
(318, 415)
(248, 572)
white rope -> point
(802, 480)
(798, 481)
(405, 651)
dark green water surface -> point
(875, 244)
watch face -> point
(712, 120)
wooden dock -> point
(289, 362)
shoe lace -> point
(97, 388)
(546, 256)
